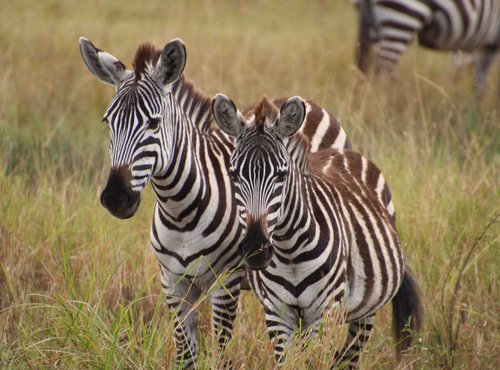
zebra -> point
(320, 230)
(453, 25)
(161, 133)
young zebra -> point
(391, 25)
(319, 230)
(161, 134)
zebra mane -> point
(146, 56)
(196, 105)
(265, 112)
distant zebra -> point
(453, 25)
(319, 227)
(161, 133)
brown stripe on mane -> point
(265, 111)
(146, 55)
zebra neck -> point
(298, 148)
(193, 103)
(184, 141)
(181, 185)
(192, 182)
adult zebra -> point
(161, 134)
(320, 230)
(391, 25)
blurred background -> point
(78, 288)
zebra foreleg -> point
(181, 298)
(357, 336)
(280, 328)
(224, 306)
(482, 69)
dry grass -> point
(78, 288)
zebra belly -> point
(447, 30)
(370, 289)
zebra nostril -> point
(105, 201)
(117, 194)
(257, 253)
(114, 200)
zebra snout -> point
(256, 249)
(257, 257)
(117, 197)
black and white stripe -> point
(320, 229)
(391, 25)
(161, 134)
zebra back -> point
(365, 172)
(326, 141)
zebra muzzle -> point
(257, 258)
(256, 249)
(117, 197)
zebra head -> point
(136, 117)
(259, 168)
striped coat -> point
(320, 229)
(391, 25)
(162, 134)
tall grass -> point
(79, 289)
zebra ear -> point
(292, 115)
(104, 66)
(226, 115)
(172, 62)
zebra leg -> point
(224, 305)
(181, 298)
(367, 34)
(482, 67)
(357, 336)
(386, 56)
(280, 326)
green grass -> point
(79, 288)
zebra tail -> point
(407, 312)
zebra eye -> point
(233, 174)
(153, 123)
(281, 175)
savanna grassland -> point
(79, 288)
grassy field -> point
(79, 288)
